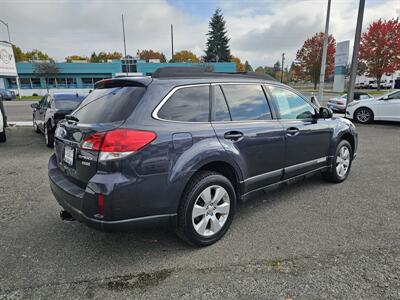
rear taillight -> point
(100, 204)
(118, 143)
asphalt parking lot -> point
(310, 240)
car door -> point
(41, 111)
(307, 138)
(245, 126)
(389, 108)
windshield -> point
(67, 102)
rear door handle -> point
(292, 131)
(233, 135)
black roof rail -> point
(202, 72)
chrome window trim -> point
(154, 114)
(168, 96)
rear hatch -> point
(104, 109)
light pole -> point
(283, 60)
(324, 52)
(8, 29)
(356, 47)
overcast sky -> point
(259, 30)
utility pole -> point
(356, 47)
(324, 52)
(172, 42)
(125, 58)
(283, 60)
(8, 30)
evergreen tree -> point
(277, 66)
(218, 42)
(247, 67)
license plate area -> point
(69, 155)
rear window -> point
(67, 101)
(189, 104)
(109, 105)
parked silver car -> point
(339, 104)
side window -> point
(220, 110)
(189, 104)
(394, 96)
(42, 101)
(247, 102)
(290, 105)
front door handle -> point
(292, 131)
(233, 135)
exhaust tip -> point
(66, 216)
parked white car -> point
(2, 128)
(385, 108)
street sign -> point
(342, 54)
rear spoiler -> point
(122, 82)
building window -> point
(61, 83)
(71, 83)
(87, 82)
(51, 83)
(36, 83)
(12, 83)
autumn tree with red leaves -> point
(309, 57)
(380, 48)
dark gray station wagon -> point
(186, 146)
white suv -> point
(385, 108)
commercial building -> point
(81, 76)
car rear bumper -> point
(82, 204)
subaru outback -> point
(185, 147)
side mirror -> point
(325, 113)
(35, 105)
(385, 98)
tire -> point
(363, 115)
(48, 136)
(3, 136)
(35, 127)
(341, 163)
(214, 218)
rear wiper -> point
(71, 118)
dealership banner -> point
(7, 60)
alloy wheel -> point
(363, 116)
(210, 210)
(343, 161)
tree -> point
(247, 67)
(238, 62)
(18, 54)
(380, 48)
(104, 56)
(36, 54)
(76, 58)
(217, 46)
(46, 70)
(150, 54)
(309, 58)
(259, 70)
(185, 56)
(277, 66)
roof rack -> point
(202, 72)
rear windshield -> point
(109, 105)
(67, 101)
